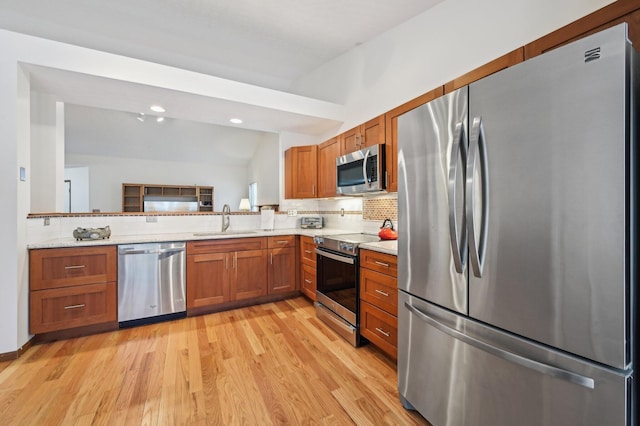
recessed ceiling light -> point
(156, 108)
(160, 119)
(236, 121)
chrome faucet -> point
(225, 217)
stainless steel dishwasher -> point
(151, 282)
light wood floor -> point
(268, 364)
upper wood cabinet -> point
(504, 61)
(327, 153)
(391, 128)
(367, 134)
(301, 172)
(610, 15)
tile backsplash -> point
(380, 208)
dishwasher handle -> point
(129, 251)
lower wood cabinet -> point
(71, 288)
(283, 262)
(207, 279)
(248, 274)
(379, 300)
(308, 267)
(71, 307)
(221, 273)
(308, 285)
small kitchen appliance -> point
(315, 222)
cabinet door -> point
(64, 308)
(308, 284)
(66, 267)
(248, 274)
(372, 132)
(327, 153)
(282, 270)
(207, 279)
(350, 141)
(308, 251)
(301, 171)
(380, 327)
(380, 290)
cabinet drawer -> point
(308, 251)
(281, 241)
(308, 284)
(59, 309)
(381, 262)
(380, 328)
(226, 245)
(380, 290)
(66, 267)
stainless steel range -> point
(338, 283)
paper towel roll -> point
(267, 218)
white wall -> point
(107, 174)
(263, 169)
(47, 154)
(119, 149)
(79, 177)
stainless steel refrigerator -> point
(518, 246)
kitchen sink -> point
(219, 233)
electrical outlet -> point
(47, 221)
(292, 212)
(152, 219)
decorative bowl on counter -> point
(91, 233)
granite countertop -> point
(181, 236)
(389, 247)
(385, 246)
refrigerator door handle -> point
(477, 148)
(458, 243)
(540, 367)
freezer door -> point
(432, 143)
(460, 372)
(556, 267)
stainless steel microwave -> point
(361, 171)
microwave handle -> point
(364, 169)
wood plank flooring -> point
(268, 364)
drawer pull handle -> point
(75, 306)
(386, 265)
(282, 241)
(75, 267)
(381, 331)
(307, 281)
(382, 293)
(308, 251)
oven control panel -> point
(348, 247)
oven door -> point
(337, 293)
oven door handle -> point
(343, 259)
